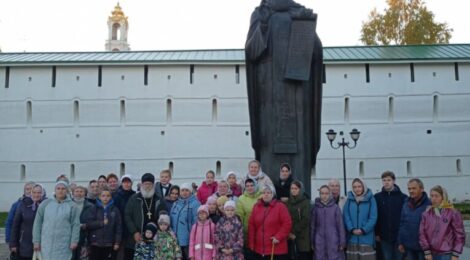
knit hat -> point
(231, 173)
(164, 219)
(152, 227)
(211, 200)
(222, 200)
(66, 184)
(186, 186)
(126, 177)
(229, 203)
(204, 208)
(148, 177)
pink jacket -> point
(442, 235)
(202, 241)
(205, 191)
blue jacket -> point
(408, 234)
(11, 216)
(362, 215)
(183, 216)
(389, 205)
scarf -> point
(106, 208)
(362, 196)
(445, 204)
(257, 176)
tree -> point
(404, 22)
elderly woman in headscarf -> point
(223, 189)
(28, 186)
(360, 216)
(327, 229)
(56, 227)
(21, 242)
(269, 226)
(299, 210)
(441, 232)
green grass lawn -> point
(464, 208)
(3, 218)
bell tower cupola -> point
(118, 27)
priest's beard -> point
(147, 194)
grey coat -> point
(56, 227)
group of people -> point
(239, 217)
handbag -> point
(13, 256)
(37, 255)
(292, 245)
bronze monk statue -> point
(284, 65)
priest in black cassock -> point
(142, 208)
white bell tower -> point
(117, 31)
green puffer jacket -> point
(244, 208)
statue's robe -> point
(284, 63)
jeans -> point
(414, 254)
(442, 257)
(390, 250)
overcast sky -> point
(81, 25)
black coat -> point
(22, 228)
(389, 206)
(100, 234)
(120, 201)
(283, 190)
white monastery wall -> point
(192, 118)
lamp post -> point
(331, 135)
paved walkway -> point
(4, 252)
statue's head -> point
(279, 5)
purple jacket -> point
(327, 231)
(444, 234)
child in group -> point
(104, 226)
(214, 214)
(145, 249)
(207, 188)
(201, 240)
(220, 204)
(234, 186)
(162, 188)
(229, 235)
(166, 245)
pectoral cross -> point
(149, 215)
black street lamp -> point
(331, 134)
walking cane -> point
(272, 252)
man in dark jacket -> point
(389, 205)
(413, 208)
(142, 208)
(121, 198)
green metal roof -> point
(351, 54)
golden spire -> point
(118, 14)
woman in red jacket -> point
(269, 226)
(441, 232)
